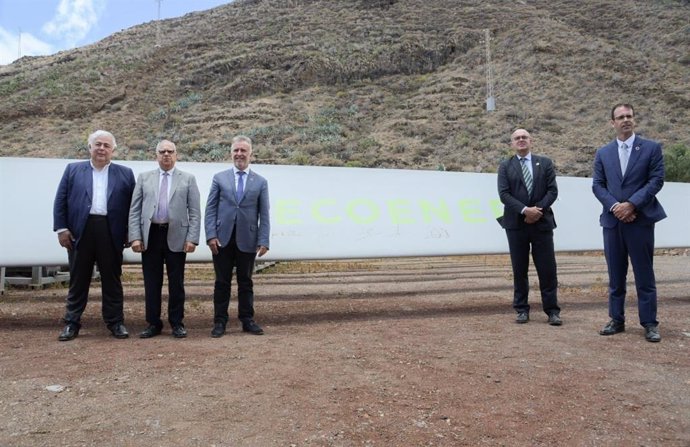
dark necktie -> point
(240, 185)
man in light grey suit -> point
(164, 225)
(237, 231)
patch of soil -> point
(394, 352)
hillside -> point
(379, 83)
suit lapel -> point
(615, 161)
(248, 183)
(111, 181)
(231, 181)
(517, 167)
(634, 154)
(87, 179)
(536, 172)
(175, 179)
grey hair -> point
(241, 139)
(161, 142)
(101, 133)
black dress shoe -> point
(119, 330)
(555, 320)
(651, 333)
(612, 327)
(178, 331)
(150, 331)
(70, 332)
(522, 317)
(251, 327)
(218, 330)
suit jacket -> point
(74, 195)
(184, 209)
(514, 195)
(643, 179)
(249, 217)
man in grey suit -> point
(237, 231)
(164, 225)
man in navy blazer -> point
(237, 231)
(628, 173)
(527, 188)
(90, 215)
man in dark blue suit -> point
(628, 173)
(527, 188)
(237, 228)
(90, 215)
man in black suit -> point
(628, 174)
(90, 216)
(527, 187)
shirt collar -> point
(527, 157)
(235, 170)
(170, 172)
(629, 141)
(97, 170)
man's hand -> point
(261, 251)
(214, 245)
(533, 214)
(137, 246)
(625, 212)
(189, 247)
(65, 239)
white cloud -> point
(74, 19)
(30, 46)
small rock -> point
(55, 388)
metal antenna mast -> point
(490, 99)
(19, 44)
(158, 24)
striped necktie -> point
(526, 174)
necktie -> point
(162, 213)
(623, 155)
(526, 174)
(240, 185)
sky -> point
(42, 27)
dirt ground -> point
(397, 352)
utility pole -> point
(490, 99)
(19, 44)
(158, 24)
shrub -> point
(677, 162)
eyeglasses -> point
(623, 117)
(520, 137)
(166, 151)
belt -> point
(163, 226)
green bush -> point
(677, 162)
